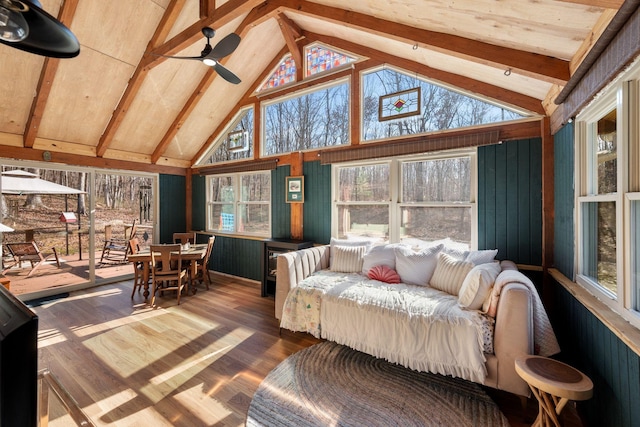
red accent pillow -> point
(383, 273)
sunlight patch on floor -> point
(140, 316)
(200, 405)
(175, 371)
(47, 337)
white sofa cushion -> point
(348, 259)
(477, 286)
(482, 256)
(416, 268)
(380, 255)
(346, 242)
(449, 274)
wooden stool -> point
(553, 384)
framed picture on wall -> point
(399, 104)
(295, 189)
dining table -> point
(192, 254)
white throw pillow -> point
(477, 285)
(346, 242)
(348, 259)
(482, 257)
(380, 255)
(416, 268)
(449, 274)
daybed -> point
(423, 326)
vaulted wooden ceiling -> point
(120, 105)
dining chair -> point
(138, 267)
(202, 269)
(183, 238)
(168, 272)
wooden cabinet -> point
(270, 251)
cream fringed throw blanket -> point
(544, 339)
(417, 327)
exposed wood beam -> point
(529, 64)
(206, 8)
(168, 19)
(291, 32)
(490, 91)
(605, 4)
(10, 151)
(48, 73)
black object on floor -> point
(39, 301)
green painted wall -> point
(238, 257)
(613, 367)
(199, 203)
(510, 200)
(172, 200)
(563, 169)
(317, 202)
(280, 209)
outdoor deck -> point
(72, 271)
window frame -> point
(622, 94)
(296, 94)
(237, 204)
(396, 204)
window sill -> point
(624, 330)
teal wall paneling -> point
(199, 203)
(280, 209)
(172, 202)
(510, 200)
(592, 347)
(563, 169)
(317, 202)
(238, 257)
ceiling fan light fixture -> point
(208, 61)
(13, 26)
(45, 35)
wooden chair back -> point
(166, 260)
(183, 238)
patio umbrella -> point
(23, 182)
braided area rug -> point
(332, 385)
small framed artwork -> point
(238, 140)
(295, 189)
(399, 104)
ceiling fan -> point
(212, 55)
(26, 26)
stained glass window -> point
(283, 74)
(321, 59)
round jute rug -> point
(332, 385)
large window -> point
(607, 197)
(239, 203)
(427, 198)
(309, 120)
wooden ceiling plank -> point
(206, 8)
(529, 64)
(182, 116)
(45, 82)
(485, 89)
(135, 83)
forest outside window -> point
(427, 198)
(239, 204)
(607, 197)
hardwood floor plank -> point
(193, 364)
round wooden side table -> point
(553, 383)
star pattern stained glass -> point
(399, 104)
(321, 59)
(283, 74)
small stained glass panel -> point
(399, 104)
(283, 74)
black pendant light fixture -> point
(26, 26)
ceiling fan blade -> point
(226, 74)
(199, 58)
(225, 47)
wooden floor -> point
(193, 364)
